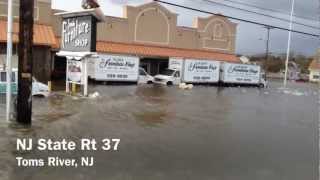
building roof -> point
(158, 51)
(315, 64)
(43, 34)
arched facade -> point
(155, 25)
(217, 34)
(152, 26)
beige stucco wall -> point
(42, 9)
(217, 33)
(148, 24)
(155, 25)
(115, 29)
(56, 22)
(186, 38)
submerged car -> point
(38, 88)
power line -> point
(269, 9)
(261, 14)
(235, 18)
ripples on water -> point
(167, 133)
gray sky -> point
(250, 38)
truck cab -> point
(263, 80)
(144, 77)
(168, 77)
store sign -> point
(74, 72)
(201, 71)
(79, 34)
(117, 68)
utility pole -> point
(9, 61)
(24, 104)
(267, 50)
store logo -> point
(201, 66)
(242, 69)
(115, 62)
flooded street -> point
(207, 133)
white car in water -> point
(38, 88)
(144, 77)
(168, 77)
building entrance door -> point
(154, 66)
(145, 66)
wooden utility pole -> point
(24, 101)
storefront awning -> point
(149, 51)
(43, 34)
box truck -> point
(242, 74)
(201, 71)
(117, 68)
(191, 71)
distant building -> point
(314, 69)
(245, 60)
(294, 71)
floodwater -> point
(207, 133)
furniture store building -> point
(148, 31)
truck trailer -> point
(242, 74)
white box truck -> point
(191, 71)
(200, 71)
(116, 68)
(242, 74)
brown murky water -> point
(207, 133)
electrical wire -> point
(236, 18)
(261, 14)
(271, 10)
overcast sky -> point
(251, 39)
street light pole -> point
(9, 61)
(289, 44)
